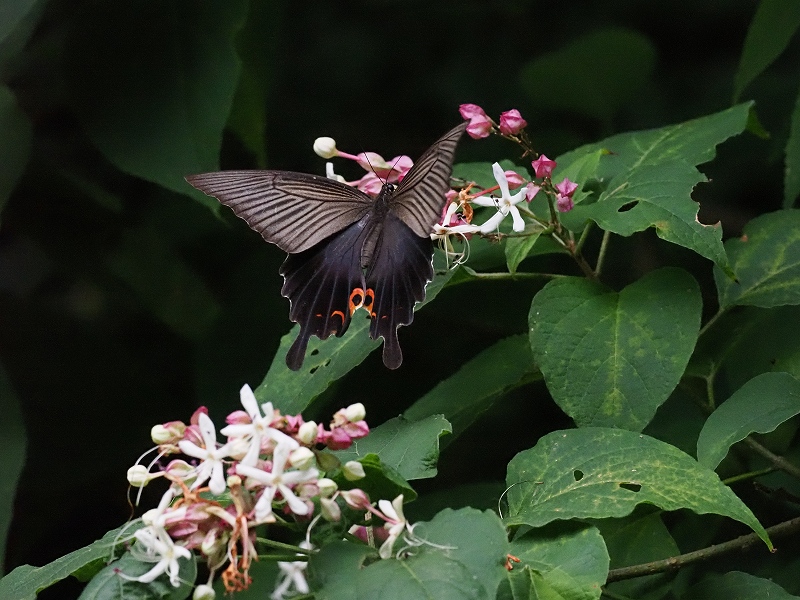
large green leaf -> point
(598, 472)
(773, 25)
(409, 446)
(736, 586)
(326, 360)
(568, 559)
(18, 18)
(468, 563)
(612, 358)
(12, 432)
(155, 94)
(462, 397)
(650, 177)
(766, 260)
(593, 75)
(759, 406)
(24, 582)
(15, 143)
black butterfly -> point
(346, 249)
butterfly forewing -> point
(294, 211)
(419, 198)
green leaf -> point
(593, 75)
(155, 94)
(108, 585)
(409, 446)
(326, 360)
(12, 432)
(518, 248)
(163, 283)
(612, 358)
(15, 143)
(759, 406)
(657, 196)
(736, 585)
(468, 563)
(598, 472)
(773, 25)
(766, 260)
(650, 178)
(791, 174)
(570, 558)
(24, 582)
(462, 397)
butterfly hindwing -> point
(322, 285)
(400, 268)
(419, 199)
(294, 211)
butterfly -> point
(346, 250)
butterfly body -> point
(345, 249)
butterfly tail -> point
(297, 352)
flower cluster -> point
(457, 213)
(271, 470)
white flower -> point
(396, 523)
(442, 231)
(292, 578)
(211, 456)
(204, 592)
(505, 204)
(355, 412)
(331, 174)
(276, 481)
(154, 547)
(258, 428)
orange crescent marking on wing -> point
(338, 312)
(356, 305)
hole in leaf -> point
(578, 475)
(627, 206)
(633, 487)
(313, 352)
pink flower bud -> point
(511, 122)
(371, 161)
(469, 111)
(339, 440)
(543, 166)
(514, 180)
(530, 191)
(356, 430)
(196, 415)
(170, 432)
(355, 498)
(238, 417)
(564, 203)
(293, 423)
(479, 127)
(567, 187)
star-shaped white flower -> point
(505, 204)
(258, 428)
(153, 547)
(211, 456)
(396, 524)
(292, 578)
(278, 480)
